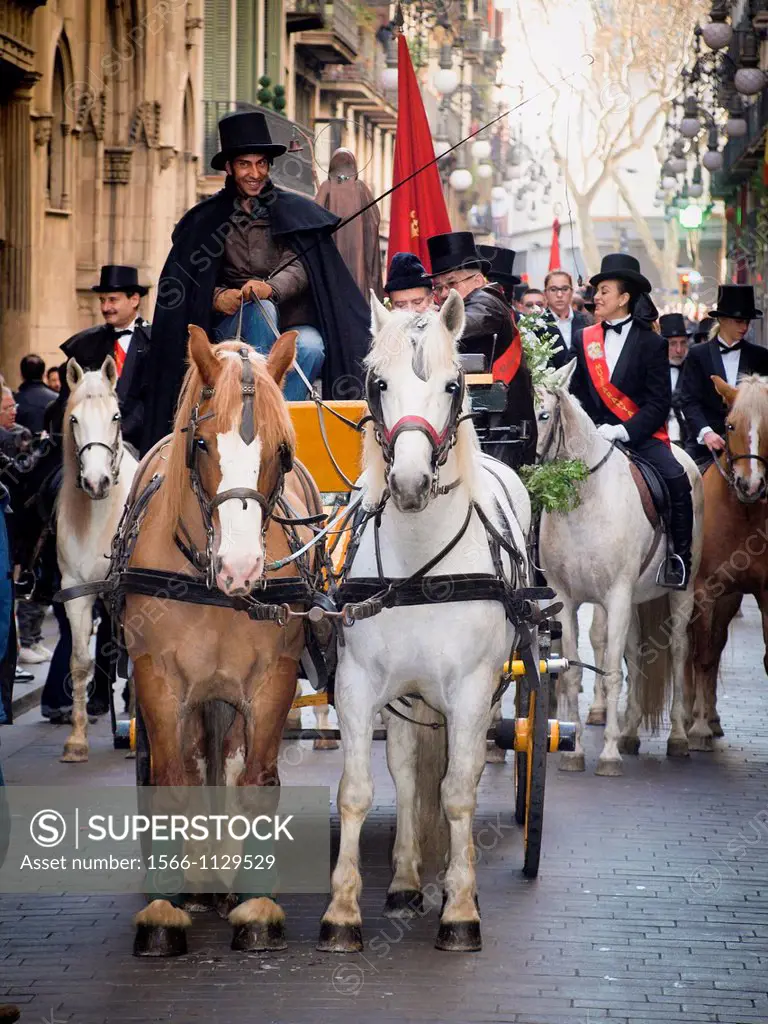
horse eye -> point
(729, 426)
(452, 387)
(203, 447)
(116, 418)
(73, 420)
(381, 384)
(543, 416)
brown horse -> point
(213, 686)
(734, 560)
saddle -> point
(652, 489)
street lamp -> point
(718, 33)
(690, 126)
(389, 74)
(735, 126)
(446, 78)
(749, 80)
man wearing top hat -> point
(489, 329)
(500, 272)
(622, 380)
(725, 355)
(678, 335)
(269, 251)
(408, 285)
(125, 336)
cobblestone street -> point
(642, 913)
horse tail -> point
(431, 765)
(218, 717)
(654, 660)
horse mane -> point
(270, 414)
(401, 342)
(751, 395)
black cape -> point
(185, 296)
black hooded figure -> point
(185, 291)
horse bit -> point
(115, 450)
(209, 505)
(730, 460)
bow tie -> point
(123, 332)
(615, 327)
(730, 348)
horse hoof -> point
(677, 747)
(495, 755)
(596, 716)
(702, 744)
(325, 744)
(404, 903)
(610, 767)
(629, 745)
(717, 729)
(340, 938)
(258, 936)
(459, 937)
(156, 940)
(196, 903)
(75, 752)
(572, 762)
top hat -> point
(736, 301)
(244, 132)
(588, 294)
(454, 251)
(673, 325)
(703, 327)
(406, 271)
(120, 279)
(502, 262)
(520, 290)
(620, 266)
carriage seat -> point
(651, 488)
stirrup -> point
(677, 579)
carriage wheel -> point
(536, 774)
(522, 700)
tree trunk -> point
(590, 250)
(655, 253)
(671, 253)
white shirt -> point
(124, 341)
(565, 327)
(731, 366)
(673, 427)
(614, 342)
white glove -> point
(613, 432)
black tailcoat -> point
(700, 403)
(185, 296)
(641, 373)
(90, 348)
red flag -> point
(418, 208)
(554, 251)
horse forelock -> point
(272, 421)
(92, 388)
(418, 340)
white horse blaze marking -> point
(240, 463)
(754, 449)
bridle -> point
(208, 504)
(115, 450)
(558, 431)
(441, 441)
(728, 473)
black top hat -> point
(406, 271)
(520, 290)
(502, 261)
(244, 132)
(588, 294)
(455, 250)
(703, 327)
(737, 301)
(673, 325)
(620, 266)
(120, 279)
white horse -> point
(97, 478)
(606, 553)
(450, 654)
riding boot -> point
(675, 572)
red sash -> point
(119, 357)
(618, 403)
(506, 366)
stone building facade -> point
(99, 126)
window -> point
(56, 184)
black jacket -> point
(185, 296)
(90, 348)
(642, 374)
(490, 329)
(580, 321)
(33, 398)
(700, 403)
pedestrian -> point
(249, 261)
(558, 291)
(501, 271)
(6, 610)
(622, 381)
(726, 355)
(125, 335)
(53, 378)
(489, 330)
(33, 396)
(408, 285)
(678, 335)
(358, 242)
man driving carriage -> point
(256, 259)
(489, 330)
(622, 380)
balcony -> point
(741, 157)
(304, 15)
(337, 40)
(292, 171)
(361, 82)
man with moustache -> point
(674, 329)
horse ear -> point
(726, 391)
(565, 375)
(109, 372)
(452, 314)
(379, 315)
(202, 355)
(281, 356)
(74, 373)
